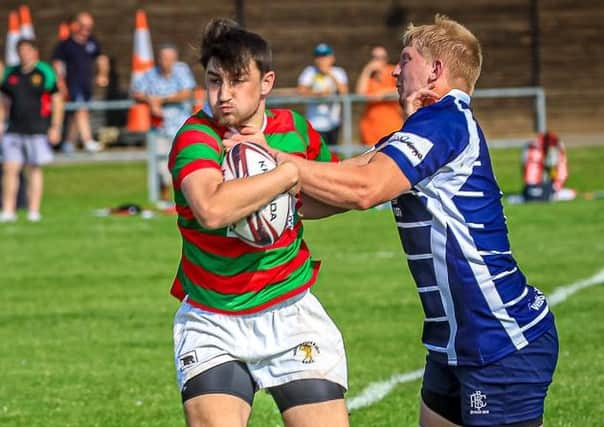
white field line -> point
(376, 391)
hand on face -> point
(422, 97)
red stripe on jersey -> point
(248, 281)
(194, 120)
(185, 212)
(280, 122)
(314, 139)
(280, 298)
(190, 137)
(193, 166)
(231, 246)
(177, 290)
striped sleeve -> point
(195, 147)
(50, 78)
(317, 149)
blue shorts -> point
(511, 390)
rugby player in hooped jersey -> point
(491, 339)
(247, 319)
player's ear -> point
(436, 71)
(267, 83)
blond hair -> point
(450, 42)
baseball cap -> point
(323, 49)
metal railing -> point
(348, 147)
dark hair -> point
(32, 42)
(233, 48)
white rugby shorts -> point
(293, 340)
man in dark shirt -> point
(75, 59)
(35, 117)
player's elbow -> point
(210, 217)
(365, 197)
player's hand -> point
(420, 98)
(102, 80)
(54, 135)
(247, 133)
(155, 106)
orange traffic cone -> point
(198, 99)
(12, 37)
(64, 32)
(142, 55)
(139, 115)
(27, 27)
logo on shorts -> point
(187, 359)
(308, 351)
(478, 403)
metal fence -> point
(348, 148)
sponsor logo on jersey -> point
(537, 302)
(414, 147)
(307, 351)
(478, 403)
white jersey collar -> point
(459, 94)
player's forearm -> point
(102, 62)
(315, 209)
(58, 111)
(236, 199)
(183, 95)
(337, 184)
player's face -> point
(27, 54)
(166, 59)
(236, 101)
(412, 72)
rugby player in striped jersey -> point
(248, 320)
(491, 339)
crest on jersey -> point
(412, 146)
(307, 352)
(36, 79)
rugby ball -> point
(264, 227)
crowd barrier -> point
(348, 147)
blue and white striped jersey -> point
(478, 306)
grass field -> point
(85, 314)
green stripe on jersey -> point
(191, 153)
(248, 300)
(50, 78)
(247, 263)
(200, 128)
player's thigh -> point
(325, 414)
(12, 150)
(311, 403)
(440, 396)
(430, 418)
(298, 342)
(38, 150)
(216, 410)
(510, 391)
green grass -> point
(86, 318)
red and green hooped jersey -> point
(218, 272)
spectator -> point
(324, 79)
(35, 117)
(545, 169)
(381, 117)
(74, 59)
(167, 88)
